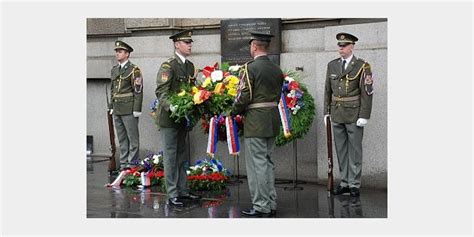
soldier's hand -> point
(325, 116)
(111, 111)
(361, 122)
(136, 114)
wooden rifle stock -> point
(112, 162)
(330, 159)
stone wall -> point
(306, 44)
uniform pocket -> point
(123, 105)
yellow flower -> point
(233, 80)
(206, 82)
(195, 90)
(182, 93)
(219, 88)
(196, 98)
(232, 92)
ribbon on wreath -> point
(213, 137)
(232, 136)
(284, 116)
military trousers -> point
(126, 127)
(261, 173)
(175, 161)
(348, 142)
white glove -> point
(111, 111)
(361, 122)
(325, 116)
(136, 114)
(173, 108)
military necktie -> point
(343, 65)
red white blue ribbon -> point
(232, 136)
(212, 139)
(284, 116)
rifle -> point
(330, 160)
(112, 164)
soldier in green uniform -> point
(172, 74)
(257, 101)
(126, 106)
(348, 100)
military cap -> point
(345, 38)
(122, 45)
(260, 36)
(184, 35)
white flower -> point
(234, 68)
(289, 79)
(173, 108)
(188, 172)
(217, 76)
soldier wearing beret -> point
(257, 100)
(348, 101)
(172, 74)
(126, 106)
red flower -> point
(293, 86)
(290, 101)
(206, 71)
(205, 95)
(160, 174)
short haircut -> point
(262, 45)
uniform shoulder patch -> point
(165, 65)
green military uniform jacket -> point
(172, 73)
(348, 94)
(127, 89)
(262, 81)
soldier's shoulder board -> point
(171, 59)
(334, 61)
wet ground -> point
(311, 202)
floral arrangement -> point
(150, 168)
(301, 106)
(223, 82)
(203, 176)
(208, 175)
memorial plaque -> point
(235, 36)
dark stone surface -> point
(311, 202)
(235, 36)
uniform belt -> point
(345, 99)
(263, 105)
(123, 95)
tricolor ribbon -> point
(145, 179)
(284, 116)
(232, 136)
(212, 139)
(118, 181)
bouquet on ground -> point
(208, 175)
(146, 172)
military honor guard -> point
(172, 74)
(126, 106)
(348, 102)
(257, 100)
